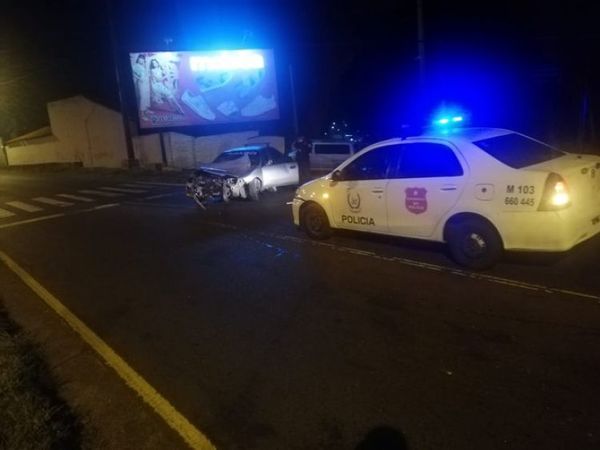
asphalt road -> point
(264, 339)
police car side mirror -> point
(337, 175)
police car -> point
(480, 190)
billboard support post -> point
(421, 43)
(131, 162)
(163, 152)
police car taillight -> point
(556, 194)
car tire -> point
(314, 222)
(227, 194)
(474, 243)
(254, 188)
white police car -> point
(480, 190)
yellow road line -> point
(192, 436)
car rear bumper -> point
(552, 231)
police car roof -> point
(469, 134)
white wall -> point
(186, 152)
(47, 151)
(107, 138)
(89, 132)
(180, 150)
(147, 150)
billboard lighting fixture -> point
(227, 60)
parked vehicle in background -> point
(242, 172)
(327, 155)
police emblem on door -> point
(354, 201)
(416, 200)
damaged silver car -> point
(242, 172)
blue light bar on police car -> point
(442, 121)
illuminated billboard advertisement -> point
(202, 88)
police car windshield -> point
(253, 155)
(518, 151)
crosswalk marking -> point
(76, 197)
(154, 184)
(135, 186)
(125, 190)
(52, 201)
(100, 193)
(4, 213)
(24, 206)
(61, 200)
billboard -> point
(202, 88)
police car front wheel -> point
(315, 222)
(474, 243)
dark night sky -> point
(526, 65)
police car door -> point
(359, 200)
(426, 185)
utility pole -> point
(420, 43)
(131, 162)
(294, 106)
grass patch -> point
(32, 416)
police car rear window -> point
(517, 151)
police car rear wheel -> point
(474, 244)
(315, 222)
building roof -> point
(43, 132)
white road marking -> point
(124, 190)
(4, 213)
(52, 201)
(177, 421)
(54, 216)
(126, 185)
(149, 183)
(76, 197)
(422, 265)
(100, 193)
(154, 197)
(24, 206)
